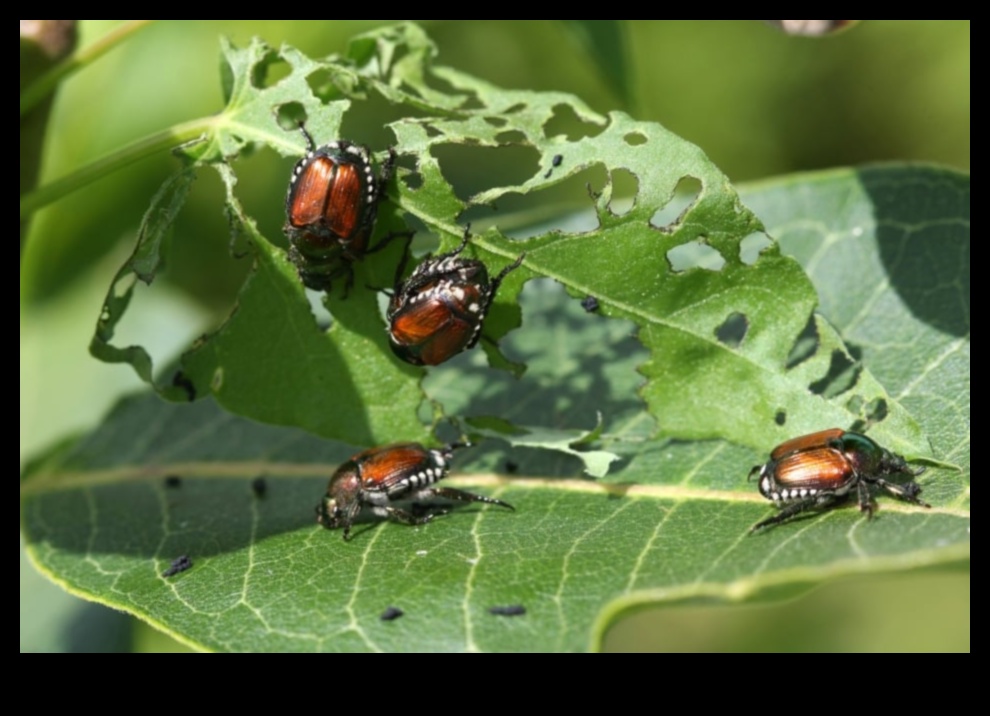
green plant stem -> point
(167, 139)
(45, 84)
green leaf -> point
(596, 462)
(143, 264)
(888, 249)
(707, 350)
(670, 526)
(671, 262)
(103, 522)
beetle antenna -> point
(505, 272)
(464, 241)
(309, 137)
(450, 447)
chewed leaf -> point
(172, 489)
(662, 243)
(596, 462)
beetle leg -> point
(408, 518)
(865, 498)
(388, 167)
(385, 240)
(490, 294)
(311, 145)
(449, 493)
(319, 276)
(908, 492)
(347, 519)
(497, 281)
(401, 268)
(463, 245)
(505, 272)
(811, 503)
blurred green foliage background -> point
(760, 103)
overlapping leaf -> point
(728, 358)
(272, 361)
(670, 526)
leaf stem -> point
(161, 141)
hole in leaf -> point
(413, 180)
(437, 84)
(181, 380)
(733, 330)
(473, 169)
(432, 131)
(634, 139)
(805, 345)
(199, 251)
(695, 254)
(513, 136)
(751, 246)
(269, 70)
(322, 86)
(515, 109)
(564, 206)
(625, 187)
(290, 115)
(859, 426)
(472, 101)
(565, 121)
(874, 412)
(496, 121)
(424, 240)
(321, 314)
(592, 369)
(668, 217)
(367, 122)
(841, 376)
(781, 417)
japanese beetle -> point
(380, 476)
(819, 470)
(439, 310)
(331, 209)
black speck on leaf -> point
(180, 564)
(508, 610)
